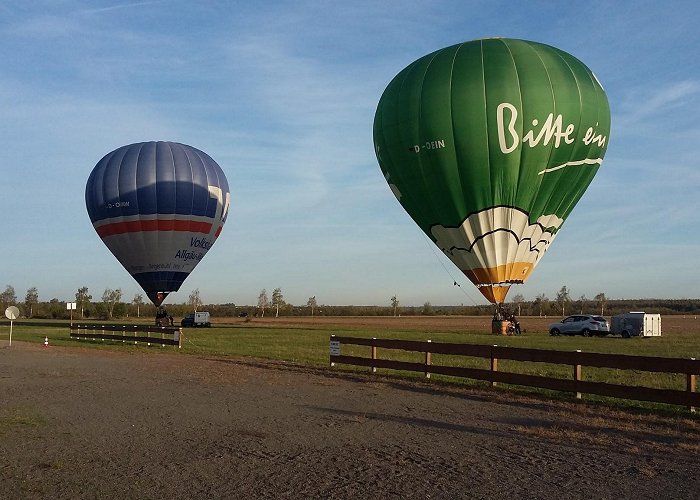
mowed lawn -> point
(305, 340)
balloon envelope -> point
(488, 145)
(159, 207)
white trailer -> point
(196, 319)
(636, 324)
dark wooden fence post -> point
(577, 374)
(690, 387)
(427, 362)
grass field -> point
(305, 340)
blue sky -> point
(282, 95)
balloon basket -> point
(500, 327)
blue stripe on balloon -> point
(160, 281)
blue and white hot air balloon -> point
(159, 207)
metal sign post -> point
(12, 313)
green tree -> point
(110, 298)
(8, 297)
(427, 309)
(277, 300)
(31, 300)
(312, 304)
(563, 299)
(263, 302)
(82, 299)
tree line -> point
(112, 304)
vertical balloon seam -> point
(512, 256)
(412, 200)
(597, 93)
(537, 48)
(560, 180)
(167, 149)
(212, 177)
(567, 205)
(465, 182)
(492, 185)
(186, 153)
(422, 159)
(457, 171)
(444, 163)
(141, 234)
(115, 240)
(453, 139)
(136, 209)
(405, 166)
(118, 195)
(527, 197)
(189, 164)
(387, 153)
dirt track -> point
(84, 423)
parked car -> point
(580, 324)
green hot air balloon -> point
(488, 145)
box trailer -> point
(636, 324)
(196, 319)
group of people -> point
(163, 318)
(513, 323)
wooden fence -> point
(162, 335)
(575, 360)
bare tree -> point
(277, 300)
(82, 299)
(263, 302)
(138, 302)
(31, 300)
(542, 302)
(600, 301)
(518, 300)
(312, 304)
(563, 298)
(395, 304)
(582, 302)
(195, 301)
(111, 298)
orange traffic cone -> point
(46, 341)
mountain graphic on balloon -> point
(159, 207)
(488, 145)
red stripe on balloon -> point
(153, 225)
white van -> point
(636, 324)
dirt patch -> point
(82, 423)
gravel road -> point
(89, 423)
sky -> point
(282, 95)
